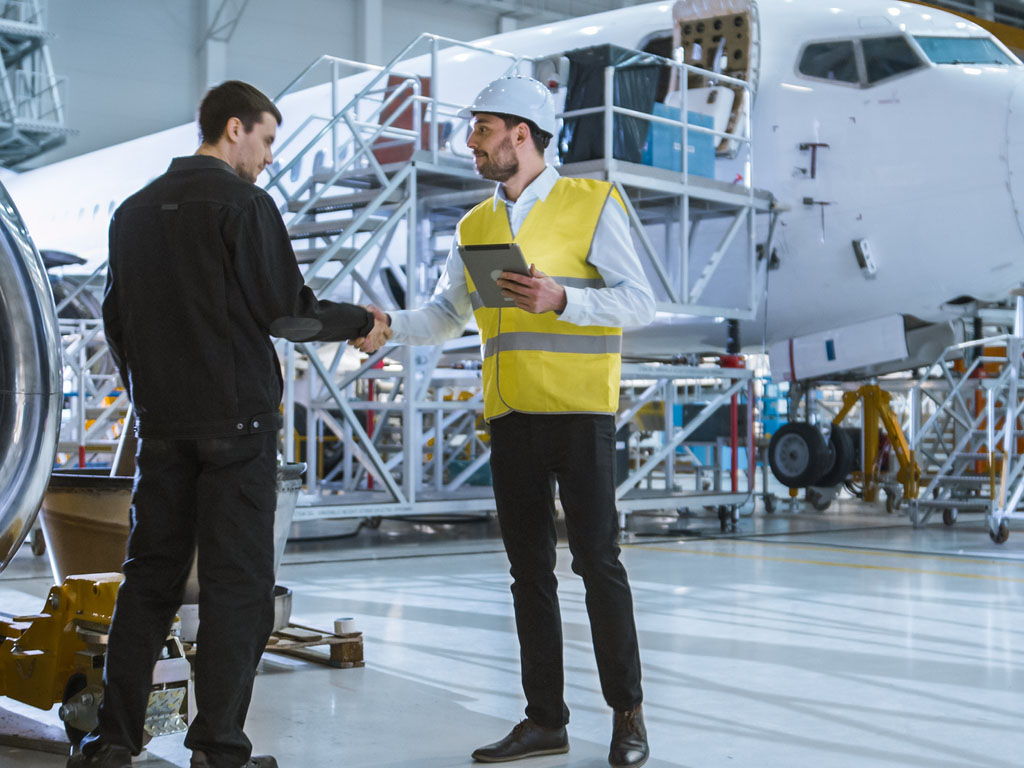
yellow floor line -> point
(861, 566)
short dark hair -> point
(232, 98)
(541, 139)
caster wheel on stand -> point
(1001, 534)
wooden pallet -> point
(297, 641)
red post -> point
(734, 361)
(371, 393)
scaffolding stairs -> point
(971, 446)
(32, 97)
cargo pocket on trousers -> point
(261, 496)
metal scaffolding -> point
(31, 96)
(401, 432)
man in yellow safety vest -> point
(551, 389)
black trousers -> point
(220, 494)
(527, 451)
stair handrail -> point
(1013, 411)
(365, 149)
(954, 350)
(381, 72)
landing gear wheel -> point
(842, 455)
(949, 516)
(797, 454)
(770, 503)
(727, 518)
(1002, 534)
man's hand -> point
(377, 337)
(535, 292)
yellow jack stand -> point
(877, 410)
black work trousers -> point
(527, 451)
(219, 494)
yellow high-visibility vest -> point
(536, 363)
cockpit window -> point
(888, 56)
(830, 61)
(962, 50)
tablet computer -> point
(486, 263)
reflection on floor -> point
(843, 638)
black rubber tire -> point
(770, 504)
(727, 517)
(797, 454)
(37, 543)
(75, 683)
(841, 450)
(1000, 536)
(819, 501)
(949, 516)
(893, 502)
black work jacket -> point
(201, 272)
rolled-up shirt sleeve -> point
(274, 288)
(626, 300)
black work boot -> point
(527, 739)
(629, 740)
(199, 760)
(107, 756)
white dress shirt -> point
(625, 300)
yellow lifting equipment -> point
(876, 409)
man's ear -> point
(522, 134)
(233, 129)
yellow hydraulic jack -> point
(876, 409)
(57, 656)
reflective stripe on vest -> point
(553, 342)
(536, 363)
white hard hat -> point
(518, 96)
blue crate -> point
(664, 141)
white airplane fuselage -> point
(927, 167)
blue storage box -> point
(664, 141)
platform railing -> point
(983, 411)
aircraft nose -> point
(1015, 149)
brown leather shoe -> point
(629, 740)
(527, 739)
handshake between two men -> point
(377, 337)
(535, 293)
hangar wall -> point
(133, 67)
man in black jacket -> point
(201, 274)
